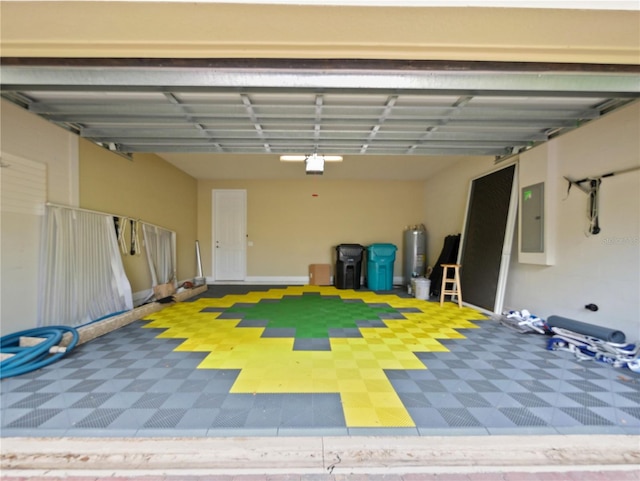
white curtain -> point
(82, 277)
(160, 245)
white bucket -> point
(423, 286)
(411, 288)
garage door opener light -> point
(314, 163)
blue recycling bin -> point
(380, 260)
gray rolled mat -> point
(604, 333)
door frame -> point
(213, 232)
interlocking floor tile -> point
(34, 418)
(459, 417)
(99, 418)
(93, 400)
(530, 400)
(33, 401)
(308, 359)
(523, 417)
(165, 418)
(586, 416)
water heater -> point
(415, 252)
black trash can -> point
(348, 266)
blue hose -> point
(27, 359)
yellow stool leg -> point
(458, 286)
(444, 285)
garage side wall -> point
(27, 138)
(602, 269)
(146, 188)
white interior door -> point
(229, 235)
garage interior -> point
(147, 117)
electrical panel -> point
(532, 221)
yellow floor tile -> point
(354, 367)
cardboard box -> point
(320, 274)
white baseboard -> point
(287, 280)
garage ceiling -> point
(347, 107)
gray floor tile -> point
(472, 400)
(405, 386)
(264, 418)
(482, 386)
(34, 386)
(297, 419)
(443, 400)
(135, 384)
(218, 432)
(164, 419)
(132, 419)
(180, 400)
(93, 400)
(494, 417)
(230, 418)
(415, 400)
(122, 400)
(631, 416)
(167, 385)
(151, 400)
(523, 417)
(459, 417)
(10, 416)
(171, 433)
(564, 401)
(66, 419)
(586, 416)
(100, 433)
(449, 431)
(34, 418)
(210, 400)
(587, 400)
(99, 418)
(628, 399)
(533, 385)
(499, 399)
(279, 332)
(322, 431)
(589, 430)
(523, 431)
(197, 418)
(530, 400)
(32, 401)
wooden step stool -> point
(456, 290)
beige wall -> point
(208, 30)
(600, 269)
(33, 139)
(604, 268)
(446, 195)
(147, 188)
(290, 228)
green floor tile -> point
(311, 316)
